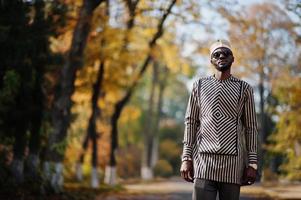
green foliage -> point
(171, 151)
(129, 162)
(163, 168)
(172, 130)
(287, 138)
(175, 100)
(25, 56)
(11, 86)
(60, 147)
(14, 76)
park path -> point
(173, 189)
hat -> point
(218, 44)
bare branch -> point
(122, 102)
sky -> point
(197, 36)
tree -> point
(152, 119)
(287, 137)
(285, 140)
(91, 133)
(15, 69)
(65, 88)
(125, 99)
(22, 76)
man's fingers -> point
(190, 176)
(186, 175)
(186, 179)
(183, 174)
(187, 171)
(250, 175)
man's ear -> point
(233, 59)
(211, 61)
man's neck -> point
(222, 75)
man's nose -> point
(222, 55)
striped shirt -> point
(220, 129)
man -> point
(220, 138)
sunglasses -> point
(225, 52)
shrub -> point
(163, 168)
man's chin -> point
(222, 68)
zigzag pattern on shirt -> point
(215, 166)
(219, 102)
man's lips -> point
(221, 62)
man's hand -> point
(249, 176)
(187, 170)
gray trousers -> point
(207, 190)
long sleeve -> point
(192, 123)
(250, 122)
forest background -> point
(95, 91)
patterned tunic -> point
(220, 129)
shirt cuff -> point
(187, 151)
(253, 165)
(252, 156)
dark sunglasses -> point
(225, 52)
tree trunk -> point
(32, 162)
(297, 148)
(17, 169)
(17, 165)
(79, 163)
(110, 174)
(62, 100)
(92, 124)
(147, 167)
(91, 131)
(158, 115)
(94, 174)
(131, 6)
(262, 122)
(153, 119)
(121, 104)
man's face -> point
(222, 58)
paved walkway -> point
(276, 191)
(177, 189)
(174, 196)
